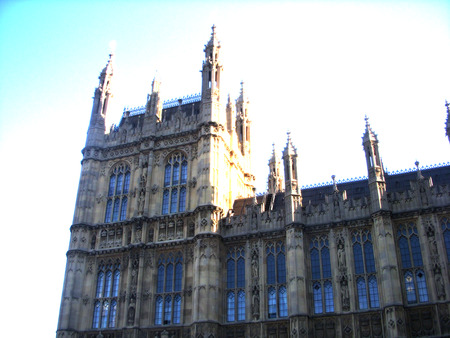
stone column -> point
(390, 285)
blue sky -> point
(314, 68)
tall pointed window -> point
(445, 225)
(235, 284)
(168, 289)
(414, 280)
(175, 180)
(365, 271)
(106, 293)
(118, 189)
(321, 275)
(276, 280)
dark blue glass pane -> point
(329, 301)
(421, 286)
(112, 184)
(169, 277)
(184, 172)
(108, 283)
(108, 211)
(100, 278)
(112, 315)
(415, 249)
(241, 306)
(105, 313)
(165, 203)
(370, 260)
(174, 201)
(241, 273)
(315, 264)
(326, 265)
(272, 302)
(230, 273)
(126, 184)
(281, 268)
(119, 184)
(96, 316)
(373, 292)
(410, 289)
(178, 276)
(358, 258)
(362, 293)
(404, 252)
(167, 310)
(317, 293)
(115, 216)
(167, 171)
(182, 205)
(158, 310)
(177, 310)
(176, 174)
(123, 209)
(282, 297)
(115, 291)
(160, 279)
(230, 307)
(270, 269)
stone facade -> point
(170, 240)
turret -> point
(375, 170)
(102, 96)
(293, 197)
(242, 121)
(211, 72)
(231, 116)
(275, 180)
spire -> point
(275, 179)
(289, 150)
(369, 134)
(211, 73)
(154, 103)
(375, 170)
(419, 173)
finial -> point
(366, 118)
(333, 177)
(213, 29)
(419, 173)
(448, 106)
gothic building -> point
(169, 239)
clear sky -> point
(315, 68)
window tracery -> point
(414, 279)
(175, 181)
(445, 225)
(107, 290)
(365, 270)
(321, 275)
(118, 189)
(168, 289)
(235, 284)
(276, 280)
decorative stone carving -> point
(345, 296)
(155, 189)
(439, 282)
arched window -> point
(118, 189)
(235, 284)
(276, 280)
(321, 275)
(364, 262)
(414, 280)
(168, 288)
(105, 305)
(175, 180)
